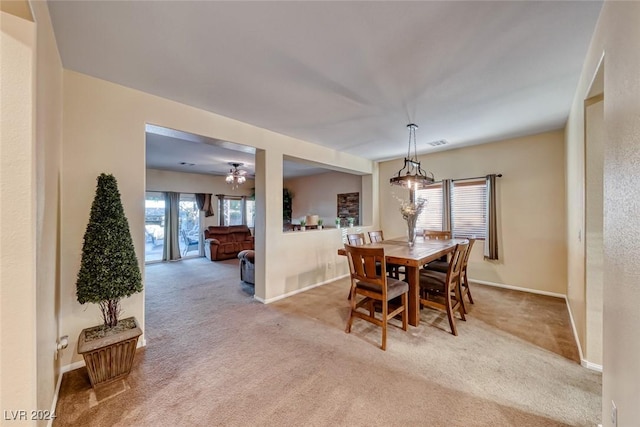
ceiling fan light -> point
(235, 177)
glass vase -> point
(411, 227)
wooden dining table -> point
(398, 252)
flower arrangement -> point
(410, 211)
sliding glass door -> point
(189, 223)
(189, 226)
(154, 226)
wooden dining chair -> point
(443, 266)
(394, 269)
(436, 234)
(375, 288)
(442, 290)
(376, 236)
(356, 239)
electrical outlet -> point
(614, 414)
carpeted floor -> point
(214, 356)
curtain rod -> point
(499, 175)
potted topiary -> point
(303, 224)
(351, 221)
(108, 272)
(320, 222)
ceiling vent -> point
(438, 142)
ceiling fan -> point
(236, 176)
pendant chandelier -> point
(412, 176)
(236, 176)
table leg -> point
(414, 295)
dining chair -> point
(436, 234)
(394, 269)
(443, 266)
(442, 290)
(375, 287)
(356, 239)
(376, 236)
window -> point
(431, 216)
(250, 213)
(468, 209)
(236, 210)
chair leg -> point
(450, 315)
(385, 311)
(466, 285)
(463, 308)
(405, 312)
(352, 297)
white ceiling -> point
(346, 75)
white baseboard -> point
(72, 367)
(592, 366)
(575, 332)
(517, 288)
(54, 402)
(297, 291)
(583, 362)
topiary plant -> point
(109, 269)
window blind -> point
(431, 216)
(468, 209)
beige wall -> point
(531, 210)
(103, 120)
(161, 180)
(318, 194)
(617, 33)
(48, 161)
(18, 325)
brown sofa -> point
(226, 242)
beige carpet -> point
(214, 356)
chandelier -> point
(235, 177)
(412, 176)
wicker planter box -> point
(109, 357)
